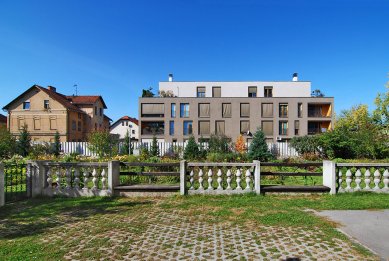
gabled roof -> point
(54, 95)
(108, 118)
(86, 99)
(126, 118)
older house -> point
(123, 125)
(46, 111)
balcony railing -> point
(312, 131)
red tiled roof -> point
(86, 99)
(126, 118)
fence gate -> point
(15, 182)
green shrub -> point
(219, 143)
(56, 147)
(154, 151)
(24, 142)
(103, 143)
(7, 144)
(258, 149)
(306, 144)
(191, 151)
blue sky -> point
(117, 48)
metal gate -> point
(15, 182)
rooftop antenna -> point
(75, 86)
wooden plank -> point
(148, 164)
(156, 174)
(284, 164)
(291, 174)
(301, 189)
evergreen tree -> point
(191, 150)
(57, 144)
(24, 142)
(258, 149)
(126, 144)
(154, 147)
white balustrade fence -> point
(354, 177)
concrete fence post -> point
(2, 185)
(183, 165)
(257, 177)
(36, 175)
(113, 175)
(329, 175)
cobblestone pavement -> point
(169, 235)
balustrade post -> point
(113, 175)
(38, 177)
(2, 185)
(183, 179)
(329, 175)
(257, 176)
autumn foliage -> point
(240, 145)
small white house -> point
(124, 124)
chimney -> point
(295, 78)
(51, 88)
(170, 77)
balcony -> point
(318, 127)
(152, 128)
(319, 110)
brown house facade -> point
(45, 111)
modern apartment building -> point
(46, 111)
(282, 109)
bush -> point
(7, 144)
(154, 151)
(219, 143)
(191, 151)
(24, 142)
(306, 144)
(103, 143)
(258, 149)
(56, 147)
(40, 149)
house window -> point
(188, 128)
(226, 113)
(133, 131)
(200, 91)
(300, 110)
(283, 128)
(220, 127)
(283, 110)
(53, 123)
(122, 123)
(156, 110)
(252, 91)
(244, 126)
(216, 92)
(184, 110)
(204, 110)
(153, 127)
(173, 110)
(267, 128)
(245, 110)
(171, 128)
(204, 128)
(296, 128)
(37, 123)
(74, 127)
(101, 111)
(26, 105)
(267, 110)
(268, 92)
(46, 104)
(79, 126)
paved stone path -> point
(169, 235)
(370, 228)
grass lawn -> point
(178, 227)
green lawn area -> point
(50, 229)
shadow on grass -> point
(36, 216)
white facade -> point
(238, 89)
(123, 125)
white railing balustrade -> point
(221, 178)
(354, 177)
(76, 179)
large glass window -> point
(184, 110)
(220, 127)
(204, 128)
(188, 128)
(171, 128)
(245, 110)
(296, 127)
(252, 91)
(244, 126)
(153, 110)
(204, 110)
(267, 128)
(153, 127)
(226, 110)
(283, 110)
(200, 91)
(267, 110)
(173, 110)
(268, 91)
(300, 110)
(283, 128)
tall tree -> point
(154, 147)
(7, 143)
(381, 113)
(191, 151)
(57, 144)
(258, 149)
(126, 144)
(24, 141)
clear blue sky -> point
(116, 48)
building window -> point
(252, 91)
(171, 128)
(37, 123)
(226, 113)
(173, 110)
(300, 110)
(184, 110)
(26, 105)
(204, 110)
(188, 128)
(244, 126)
(216, 92)
(46, 104)
(153, 127)
(267, 128)
(53, 123)
(101, 111)
(204, 128)
(283, 110)
(79, 126)
(267, 110)
(133, 131)
(74, 126)
(95, 110)
(245, 110)
(297, 128)
(220, 127)
(268, 92)
(283, 128)
(156, 110)
(200, 91)
(126, 123)
(122, 123)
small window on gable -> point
(46, 104)
(26, 105)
